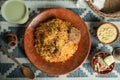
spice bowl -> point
(107, 33)
(103, 63)
(11, 39)
(116, 53)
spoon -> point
(26, 70)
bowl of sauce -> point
(107, 33)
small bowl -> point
(11, 39)
(116, 53)
(103, 54)
(112, 41)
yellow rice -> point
(52, 40)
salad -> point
(103, 63)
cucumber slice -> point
(109, 60)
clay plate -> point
(76, 60)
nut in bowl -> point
(103, 63)
(107, 33)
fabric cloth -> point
(11, 71)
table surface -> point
(10, 71)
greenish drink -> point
(15, 11)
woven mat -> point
(10, 71)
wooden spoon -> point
(26, 71)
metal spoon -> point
(26, 71)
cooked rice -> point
(53, 40)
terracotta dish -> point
(102, 69)
(71, 64)
(107, 33)
(11, 39)
(116, 53)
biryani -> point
(56, 40)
